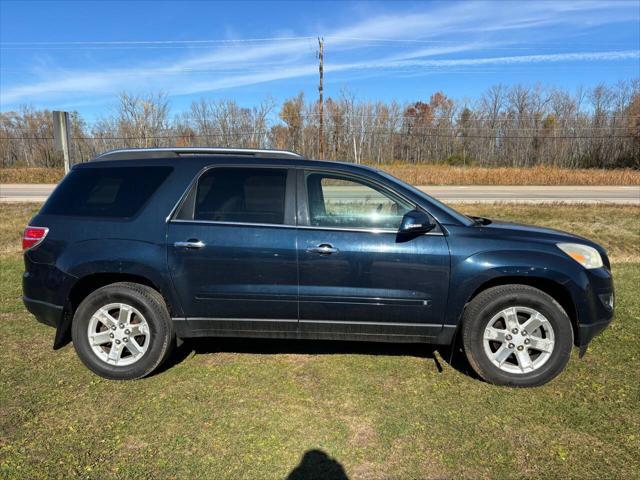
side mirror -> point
(416, 222)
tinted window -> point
(105, 192)
(244, 195)
(336, 201)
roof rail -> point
(139, 153)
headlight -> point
(586, 256)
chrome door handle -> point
(189, 244)
(323, 249)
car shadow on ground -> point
(452, 355)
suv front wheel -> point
(516, 335)
(122, 331)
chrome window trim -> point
(365, 230)
(302, 227)
(204, 170)
(370, 182)
(304, 170)
(184, 194)
(238, 224)
(390, 192)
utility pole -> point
(61, 136)
(321, 101)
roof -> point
(216, 155)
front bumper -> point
(596, 310)
(588, 332)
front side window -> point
(343, 202)
(242, 195)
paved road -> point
(468, 194)
(525, 194)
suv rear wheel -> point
(516, 335)
(122, 331)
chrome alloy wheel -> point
(518, 340)
(118, 334)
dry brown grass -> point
(14, 218)
(447, 175)
(425, 175)
(615, 227)
(31, 175)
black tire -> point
(150, 304)
(490, 302)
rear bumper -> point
(44, 293)
(46, 313)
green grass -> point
(251, 409)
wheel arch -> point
(554, 289)
(89, 283)
(561, 278)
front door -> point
(355, 275)
(232, 251)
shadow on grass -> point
(452, 355)
(316, 464)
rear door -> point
(232, 250)
(355, 275)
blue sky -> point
(80, 55)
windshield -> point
(454, 213)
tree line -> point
(506, 126)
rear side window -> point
(114, 192)
(241, 195)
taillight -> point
(33, 236)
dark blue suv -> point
(139, 247)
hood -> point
(534, 233)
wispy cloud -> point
(431, 39)
(508, 60)
(392, 63)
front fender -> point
(469, 274)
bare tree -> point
(507, 126)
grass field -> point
(425, 175)
(267, 409)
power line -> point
(477, 121)
(456, 42)
(294, 38)
(501, 117)
(378, 132)
(157, 42)
(26, 138)
(183, 136)
(423, 130)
